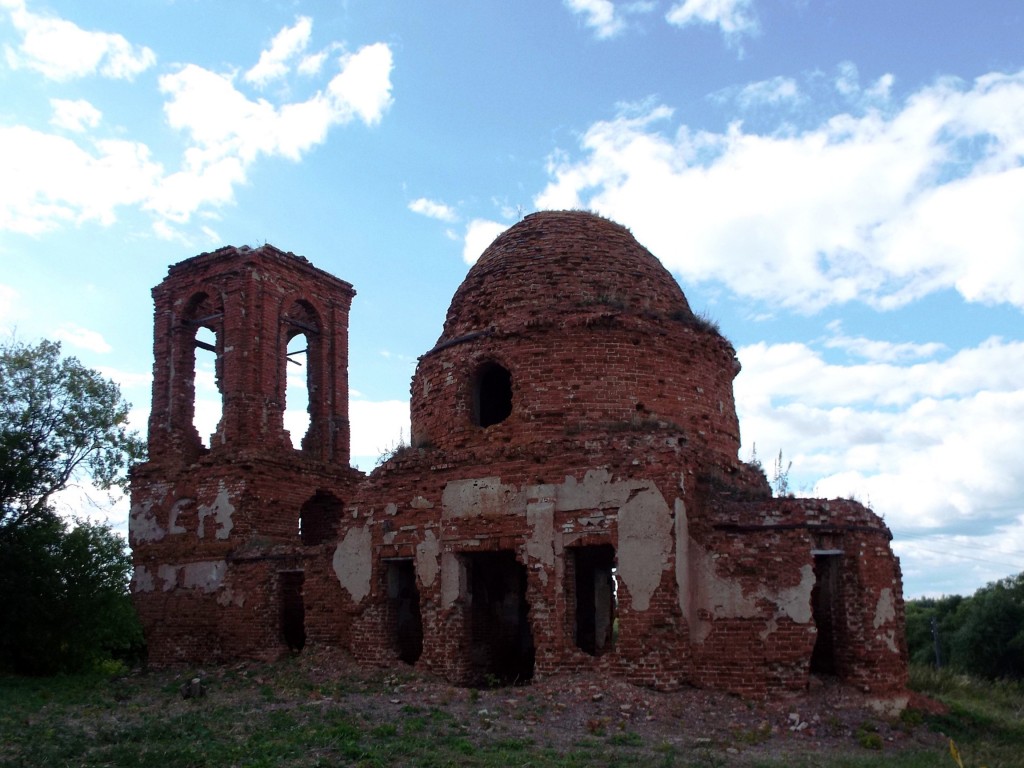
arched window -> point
(492, 394)
(296, 392)
(203, 386)
(319, 518)
(302, 362)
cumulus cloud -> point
(880, 351)
(62, 182)
(74, 115)
(735, 18)
(61, 50)
(82, 338)
(872, 205)
(777, 90)
(433, 209)
(70, 180)
(287, 44)
(480, 233)
(930, 444)
(600, 15)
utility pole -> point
(935, 642)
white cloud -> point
(734, 18)
(600, 15)
(931, 445)
(480, 233)
(74, 115)
(62, 182)
(61, 50)
(777, 90)
(376, 427)
(433, 209)
(286, 45)
(82, 338)
(363, 86)
(873, 206)
(880, 351)
(69, 180)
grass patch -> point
(266, 715)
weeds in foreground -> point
(279, 715)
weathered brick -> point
(572, 498)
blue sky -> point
(840, 185)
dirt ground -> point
(564, 710)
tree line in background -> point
(981, 635)
(64, 601)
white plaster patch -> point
(168, 574)
(713, 594)
(453, 579)
(419, 502)
(353, 562)
(427, 552)
(540, 518)
(142, 580)
(221, 511)
(597, 491)
(480, 497)
(142, 524)
(885, 611)
(724, 598)
(682, 534)
(889, 638)
(794, 602)
(645, 542)
(206, 575)
(227, 596)
(172, 522)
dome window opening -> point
(492, 395)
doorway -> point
(404, 619)
(825, 604)
(501, 640)
(595, 597)
(293, 610)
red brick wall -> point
(622, 431)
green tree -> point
(989, 641)
(65, 602)
(63, 589)
(59, 422)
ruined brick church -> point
(571, 498)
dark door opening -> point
(825, 610)
(404, 618)
(502, 650)
(293, 610)
(595, 598)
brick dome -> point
(558, 263)
(567, 326)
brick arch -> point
(300, 315)
(172, 421)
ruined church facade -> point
(571, 498)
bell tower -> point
(251, 303)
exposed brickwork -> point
(573, 407)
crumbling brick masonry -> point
(572, 497)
